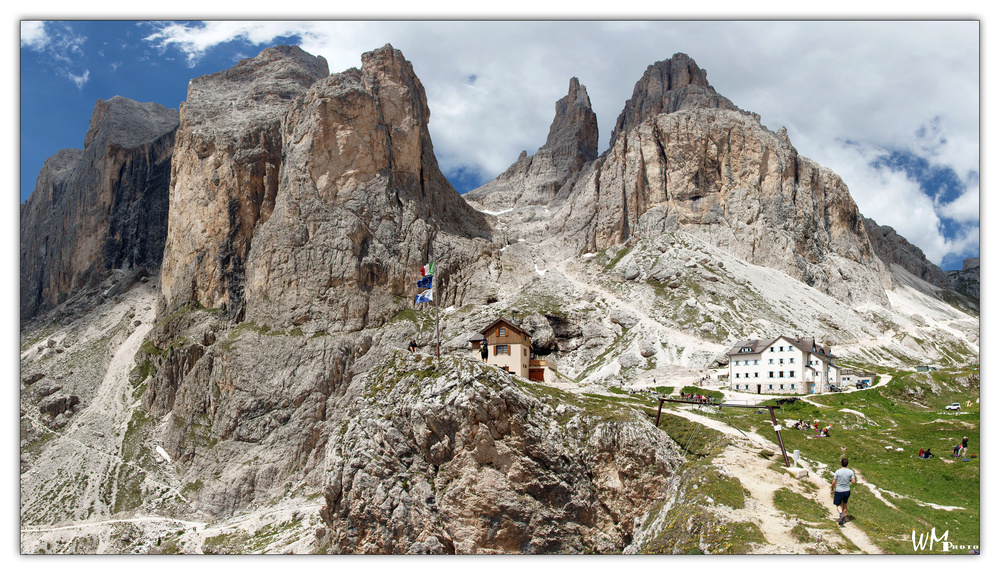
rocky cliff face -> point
(225, 179)
(666, 87)
(719, 174)
(361, 205)
(459, 458)
(99, 208)
(893, 248)
(571, 144)
(966, 280)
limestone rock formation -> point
(666, 87)
(99, 208)
(705, 167)
(459, 458)
(225, 179)
(966, 280)
(892, 248)
(361, 205)
(571, 143)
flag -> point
(427, 270)
(427, 282)
(425, 297)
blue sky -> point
(890, 106)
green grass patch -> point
(891, 419)
(796, 505)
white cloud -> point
(78, 79)
(33, 35)
(60, 44)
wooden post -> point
(777, 430)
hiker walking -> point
(840, 487)
(484, 350)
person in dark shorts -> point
(484, 350)
(841, 489)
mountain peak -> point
(676, 83)
(574, 129)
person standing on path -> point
(841, 489)
(484, 350)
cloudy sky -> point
(893, 107)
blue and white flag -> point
(427, 282)
(425, 297)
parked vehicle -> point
(954, 407)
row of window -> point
(746, 375)
(770, 361)
(746, 387)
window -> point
(525, 351)
(737, 376)
(756, 361)
(501, 350)
(782, 386)
(737, 363)
(502, 331)
(791, 373)
(746, 376)
(770, 374)
(770, 386)
(772, 349)
(793, 386)
(770, 361)
(791, 360)
(755, 374)
(781, 374)
(781, 361)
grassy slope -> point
(894, 419)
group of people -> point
(962, 448)
(814, 426)
(698, 397)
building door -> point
(758, 388)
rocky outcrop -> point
(361, 206)
(720, 175)
(226, 172)
(571, 143)
(966, 280)
(456, 457)
(667, 87)
(893, 248)
(99, 208)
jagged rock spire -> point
(533, 180)
(573, 133)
